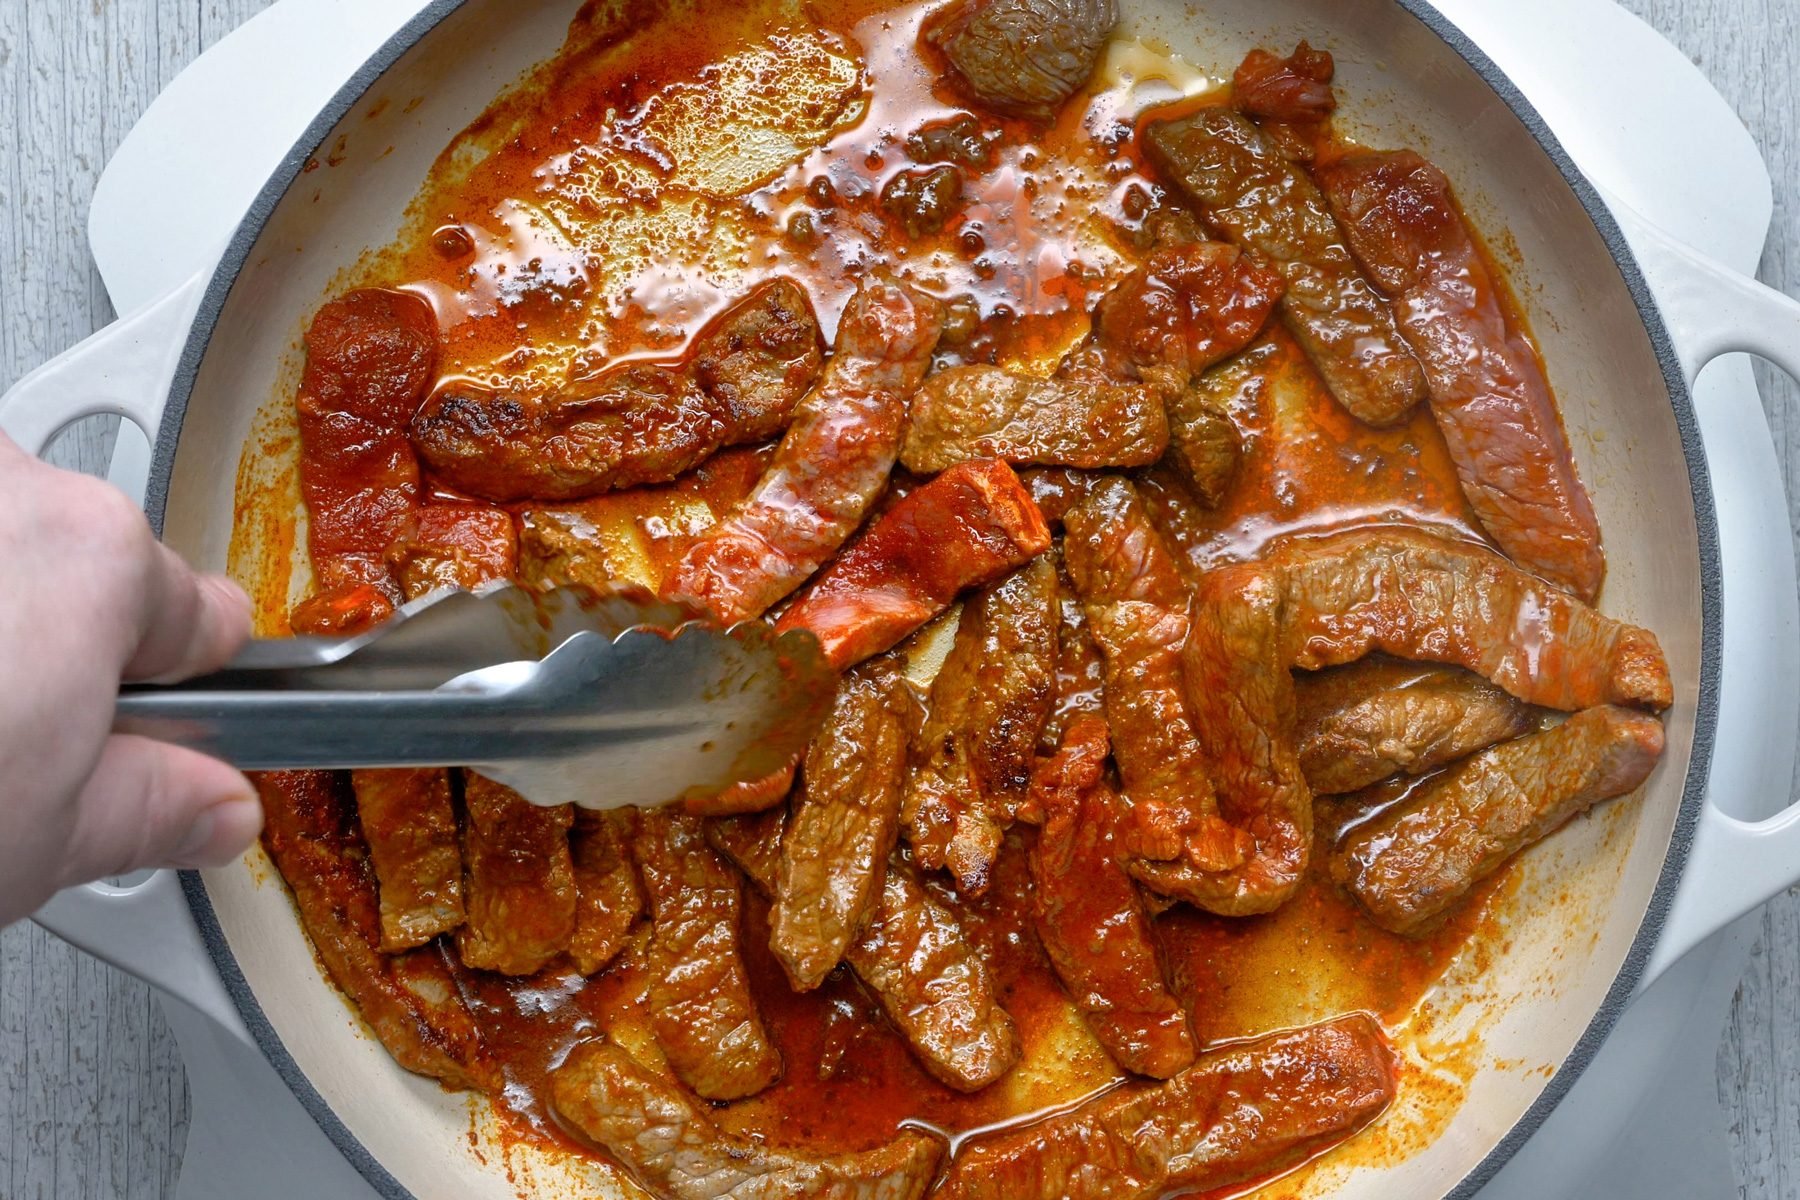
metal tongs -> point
(567, 697)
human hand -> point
(91, 598)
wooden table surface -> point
(93, 1101)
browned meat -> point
(673, 1148)
(410, 826)
(977, 412)
(700, 1004)
(1091, 918)
(453, 546)
(972, 761)
(1359, 724)
(846, 818)
(962, 529)
(1080, 671)
(1292, 89)
(1026, 57)
(960, 140)
(1055, 490)
(1240, 1113)
(1488, 390)
(1204, 443)
(634, 422)
(1220, 161)
(410, 1001)
(558, 547)
(370, 356)
(1412, 863)
(831, 466)
(1136, 605)
(911, 953)
(923, 201)
(521, 884)
(608, 900)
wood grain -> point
(93, 1103)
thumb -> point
(149, 804)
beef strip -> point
(1488, 390)
(1091, 918)
(962, 529)
(1220, 161)
(560, 547)
(1026, 57)
(608, 898)
(409, 823)
(1413, 862)
(701, 1009)
(972, 760)
(1080, 671)
(1332, 600)
(632, 423)
(977, 412)
(370, 357)
(911, 953)
(521, 883)
(410, 1000)
(1359, 724)
(831, 466)
(1241, 1113)
(1137, 605)
(1055, 490)
(1204, 443)
(671, 1146)
(1291, 98)
(846, 819)
(453, 546)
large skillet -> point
(1593, 911)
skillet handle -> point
(123, 370)
(1736, 864)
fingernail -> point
(219, 835)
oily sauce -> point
(667, 164)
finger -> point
(149, 804)
(192, 623)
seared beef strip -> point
(1488, 390)
(962, 529)
(972, 760)
(1359, 724)
(410, 826)
(411, 1000)
(1091, 918)
(1204, 443)
(1412, 863)
(978, 412)
(453, 546)
(1137, 609)
(1241, 1113)
(1220, 161)
(370, 356)
(1080, 670)
(671, 1146)
(1026, 57)
(608, 898)
(635, 422)
(912, 955)
(846, 819)
(832, 465)
(700, 1004)
(521, 883)
(1291, 98)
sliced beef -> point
(1488, 390)
(962, 529)
(1413, 862)
(409, 824)
(453, 546)
(1220, 161)
(1080, 670)
(411, 1000)
(846, 819)
(370, 357)
(1026, 57)
(1359, 724)
(1204, 444)
(632, 423)
(1091, 918)
(701, 1009)
(671, 1146)
(608, 898)
(980, 412)
(972, 760)
(1241, 1113)
(520, 884)
(560, 547)
(1055, 490)
(832, 465)
(1295, 89)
